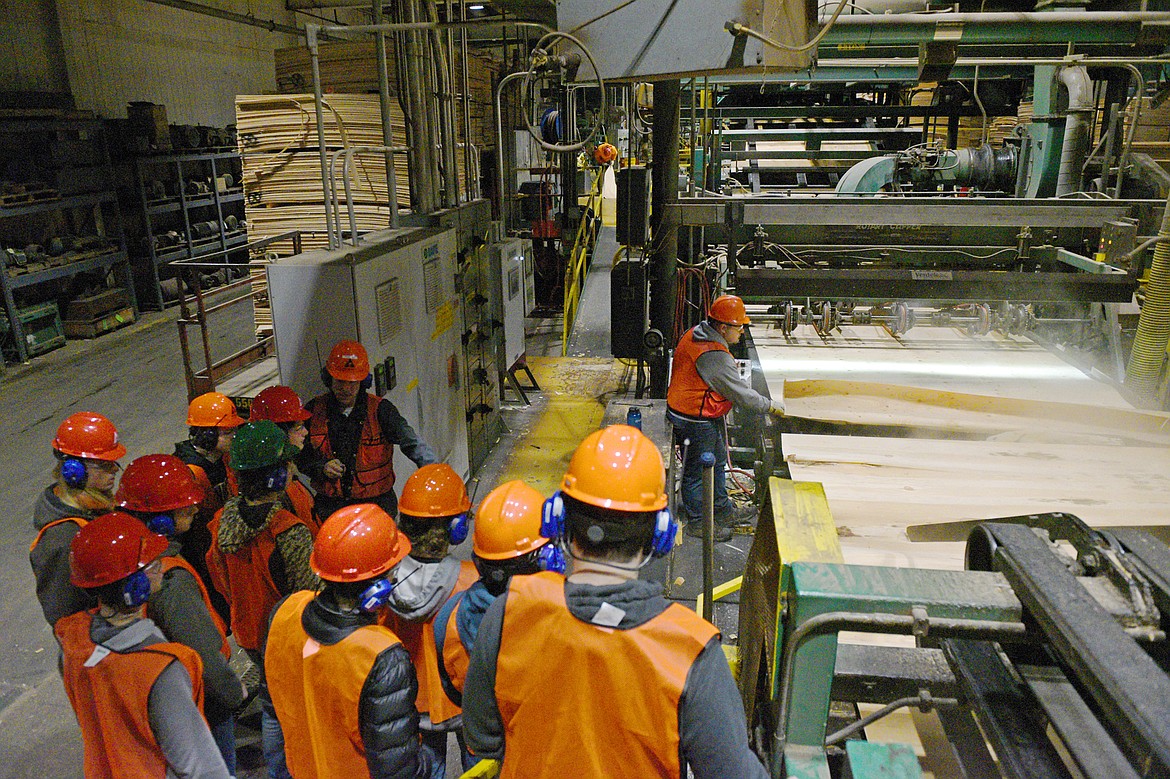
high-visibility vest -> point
(316, 690)
(111, 699)
(578, 699)
(76, 520)
(169, 563)
(374, 471)
(302, 505)
(688, 394)
(244, 578)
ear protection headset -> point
(458, 530)
(163, 524)
(276, 479)
(136, 589)
(73, 472)
(552, 525)
(551, 558)
(376, 596)
(327, 380)
(205, 438)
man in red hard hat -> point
(137, 697)
(352, 434)
(342, 685)
(160, 491)
(281, 405)
(596, 674)
(87, 451)
(704, 386)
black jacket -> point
(387, 716)
(50, 558)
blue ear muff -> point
(277, 478)
(458, 529)
(376, 596)
(136, 589)
(552, 517)
(551, 558)
(163, 524)
(367, 382)
(73, 472)
(665, 531)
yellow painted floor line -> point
(576, 390)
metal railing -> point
(195, 309)
(578, 265)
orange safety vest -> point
(455, 657)
(302, 504)
(419, 640)
(111, 699)
(76, 520)
(315, 690)
(169, 563)
(244, 578)
(620, 689)
(374, 474)
(688, 394)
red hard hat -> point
(434, 491)
(348, 361)
(88, 435)
(111, 548)
(618, 468)
(605, 154)
(213, 409)
(357, 543)
(278, 404)
(158, 482)
(507, 522)
(728, 309)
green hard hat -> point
(258, 445)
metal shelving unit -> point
(180, 212)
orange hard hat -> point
(729, 310)
(110, 548)
(605, 154)
(348, 361)
(434, 491)
(213, 409)
(278, 404)
(618, 468)
(507, 522)
(357, 543)
(88, 435)
(158, 482)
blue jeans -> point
(705, 435)
(272, 739)
(224, 734)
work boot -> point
(738, 516)
(694, 529)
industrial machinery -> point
(1045, 658)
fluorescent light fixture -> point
(475, 7)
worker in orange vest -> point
(598, 675)
(506, 542)
(434, 516)
(160, 491)
(352, 434)
(343, 686)
(137, 696)
(212, 421)
(280, 404)
(704, 386)
(87, 451)
(260, 553)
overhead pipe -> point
(229, 16)
(1038, 18)
(384, 105)
(1081, 106)
(319, 106)
(500, 191)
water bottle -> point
(634, 417)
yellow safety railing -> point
(484, 769)
(578, 264)
(717, 592)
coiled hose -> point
(1148, 354)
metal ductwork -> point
(1077, 127)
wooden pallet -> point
(92, 328)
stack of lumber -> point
(1152, 134)
(970, 127)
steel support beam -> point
(664, 224)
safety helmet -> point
(507, 522)
(158, 483)
(110, 548)
(434, 491)
(357, 543)
(348, 361)
(213, 409)
(618, 468)
(729, 310)
(278, 404)
(605, 154)
(88, 435)
(258, 445)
